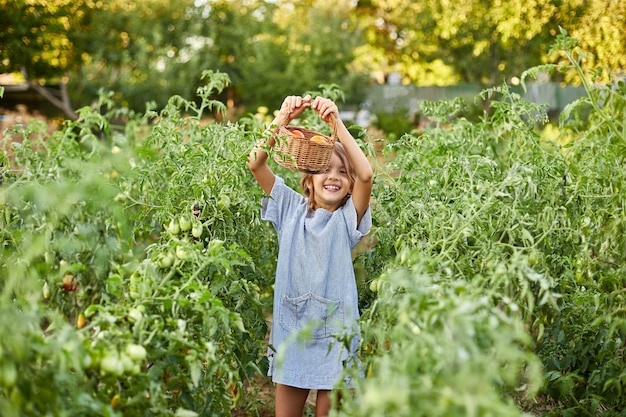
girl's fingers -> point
(292, 103)
(288, 104)
(324, 107)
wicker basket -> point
(303, 154)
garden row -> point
(137, 274)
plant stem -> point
(594, 101)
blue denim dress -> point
(314, 332)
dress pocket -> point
(321, 316)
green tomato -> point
(215, 245)
(224, 202)
(210, 179)
(133, 285)
(87, 361)
(534, 258)
(111, 364)
(8, 374)
(166, 261)
(95, 357)
(136, 352)
(197, 229)
(181, 253)
(134, 315)
(127, 363)
(184, 223)
(374, 286)
(173, 227)
(135, 280)
(49, 257)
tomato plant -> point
(137, 273)
(132, 282)
(490, 215)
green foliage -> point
(131, 240)
(489, 213)
(150, 50)
(34, 37)
(136, 49)
(395, 124)
(478, 41)
(136, 272)
(436, 346)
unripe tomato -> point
(134, 281)
(134, 315)
(191, 355)
(49, 258)
(184, 223)
(374, 286)
(136, 352)
(224, 202)
(127, 363)
(197, 229)
(111, 364)
(534, 258)
(45, 291)
(181, 253)
(210, 179)
(173, 227)
(8, 374)
(215, 245)
(86, 361)
(166, 261)
(96, 357)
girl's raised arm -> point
(257, 159)
(362, 189)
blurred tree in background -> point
(148, 50)
(142, 50)
(442, 42)
(272, 49)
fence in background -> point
(379, 98)
(390, 98)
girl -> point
(315, 290)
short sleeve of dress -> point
(356, 232)
(280, 203)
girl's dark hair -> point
(306, 182)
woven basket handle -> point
(333, 122)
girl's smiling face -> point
(332, 186)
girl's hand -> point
(293, 106)
(326, 108)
